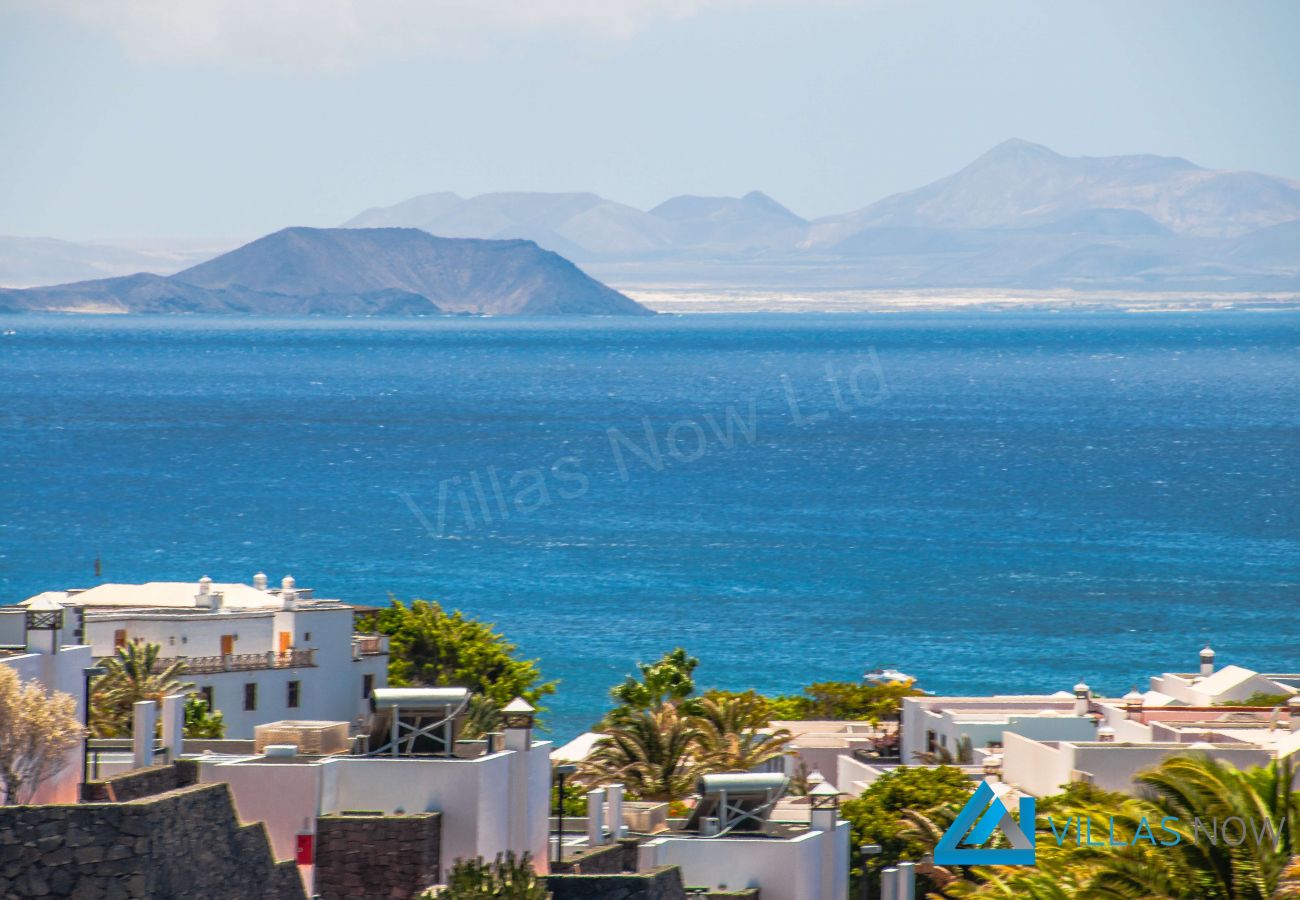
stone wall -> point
(185, 844)
(139, 783)
(663, 883)
(388, 857)
(620, 856)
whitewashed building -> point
(1040, 743)
(492, 795)
(33, 645)
(257, 654)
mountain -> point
(1022, 185)
(582, 226)
(731, 226)
(351, 271)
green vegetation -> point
(130, 678)
(659, 737)
(508, 878)
(433, 647)
(874, 703)
(668, 680)
(894, 811)
(907, 810)
(1259, 698)
(201, 721)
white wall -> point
(61, 671)
(781, 869)
(286, 796)
(1039, 769)
(1113, 766)
(472, 795)
(331, 690)
(185, 635)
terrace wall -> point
(185, 844)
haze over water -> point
(1005, 503)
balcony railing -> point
(369, 644)
(239, 662)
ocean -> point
(995, 502)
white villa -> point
(33, 645)
(1039, 743)
(258, 654)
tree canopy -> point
(432, 647)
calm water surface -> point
(995, 503)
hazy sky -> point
(231, 118)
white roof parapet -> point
(168, 595)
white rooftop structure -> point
(257, 654)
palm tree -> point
(132, 675)
(1198, 787)
(650, 752)
(731, 736)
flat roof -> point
(178, 595)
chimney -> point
(517, 718)
(207, 598)
(1293, 712)
(1133, 703)
(1082, 696)
(1207, 662)
(288, 594)
(259, 581)
(825, 800)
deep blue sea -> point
(993, 502)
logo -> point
(984, 813)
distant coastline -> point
(714, 301)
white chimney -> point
(1082, 695)
(287, 592)
(207, 598)
(1207, 662)
(259, 581)
(1293, 712)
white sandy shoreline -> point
(713, 300)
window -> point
(930, 743)
(306, 636)
(206, 693)
(250, 696)
(295, 688)
(367, 686)
(119, 638)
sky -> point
(233, 118)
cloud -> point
(329, 35)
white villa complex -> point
(258, 654)
(1039, 743)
